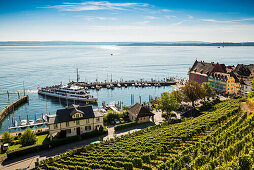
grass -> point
(40, 140)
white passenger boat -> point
(70, 93)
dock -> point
(25, 126)
(136, 83)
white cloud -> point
(190, 17)
(142, 22)
(170, 16)
(217, 21)
(150, 17)
(166, 10)
(93, 18)
(227, 21)
(100, 5)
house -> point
(224, 83)
(245, 86)
(218, 81)
(74, 120)
(200, 71)
(245, 74)
(140, 113)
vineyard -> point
(222, 138)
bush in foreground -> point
(7, 137)
(28, 138)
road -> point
(27, 161)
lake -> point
(48, 65)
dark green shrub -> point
(28, 138)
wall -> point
(232, 86)
(199, 78)
(12, 106)
(144, 119)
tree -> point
(207, 91)
(251, 93)
(28, 138)
(178, 95)
(192, 91)
(7, 137)
(167, 103)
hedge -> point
(126, 125)
(57, 142)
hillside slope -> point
(222, 138)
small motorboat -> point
(125, 85)
(92, 87)
(31, 123)
(119, 85)
(39, 121)
(98, 87)
(112, 86)
(108, 86)
(23, 123)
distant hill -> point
(177, 43)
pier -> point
(12, 106)
(136, 83)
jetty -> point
(135, 83)
(12, 106)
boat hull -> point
(94, 100)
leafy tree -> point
(178, 95)
(207, 91)
(167, 103)
(192, 91)
(28, 138)
(251, 93)
(7, 137)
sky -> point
(127, 21)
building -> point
(218, 81)
(224, 83)
(200, 71)
(140, 113)
(74, 120)
(233, 85)
(245, 74)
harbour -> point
(47, 66)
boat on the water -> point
(39, 121)
(68, 92)
(31, 123)
(23, 123)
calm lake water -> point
(49, 65)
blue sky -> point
(150, 20)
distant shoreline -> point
(59, 43)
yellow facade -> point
(232, 86)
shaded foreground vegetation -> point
(222, 138)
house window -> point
(68, 130)
(88, 128)
(87, 120)
(77, 122)
(55, 126)
(67, 124)
(97, 119)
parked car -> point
(121, 120)
(117, 121)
